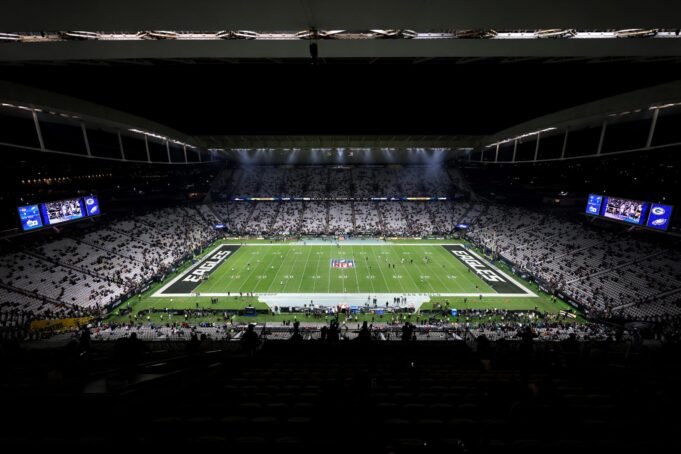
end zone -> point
(501, 282)
(184, 283)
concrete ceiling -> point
(368, 50)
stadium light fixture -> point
(224, 34)
(521, 136)
(380, 33)
(408, 34)
(636, 33)
(10, 37)
(20, 107)
(245, 34)
(665, 106)
(305, 34)
(554, 33)
(330, 34)
(474, 34)
(160, 137)
(80, 35)
(160, 34)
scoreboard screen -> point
(659, 216)
(631, 211)
(645, 214)
(62, 211)
(29, 216)
(91, 205)
(593, 205)
(40, 215)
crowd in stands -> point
(494, 324)
(388, 218)
(333, 217)
(84, 273)
(333, 182)
(610, 274)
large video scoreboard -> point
(45, 214)
(644, 214)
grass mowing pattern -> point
(145, 301)
(307, 269)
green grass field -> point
(262, 268)
(377, 269)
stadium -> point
(271, 225)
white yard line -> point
(293, 295)
(307, 259)
(422, 274)
(356, 266)
(347, 245)
(255, 268)
(288, 250)
(408, 273)
(387, 284)
(316, 272)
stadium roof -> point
(247, 29)
(449, 68)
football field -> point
(301, 269)
(231, 275)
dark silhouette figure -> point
(364, 333)
(194, 344)
(135, 347)
(484, 351)
(84, 343)
(296, 336)
(250, 340)
(408, 332)
(527, 336)
(129, 352)
(334, 331)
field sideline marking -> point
(339, 295)
(528, 292)
(348, 245)
(205, 257)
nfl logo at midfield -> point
(342, 263)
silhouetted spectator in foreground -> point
(129, 350)
(527, 336)
(84, 343)
(250, 340)
(484, 351)
(364, 333)
(334, 331)
(571, 345)
(296, 336)
(408, 332)
(194, 344)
